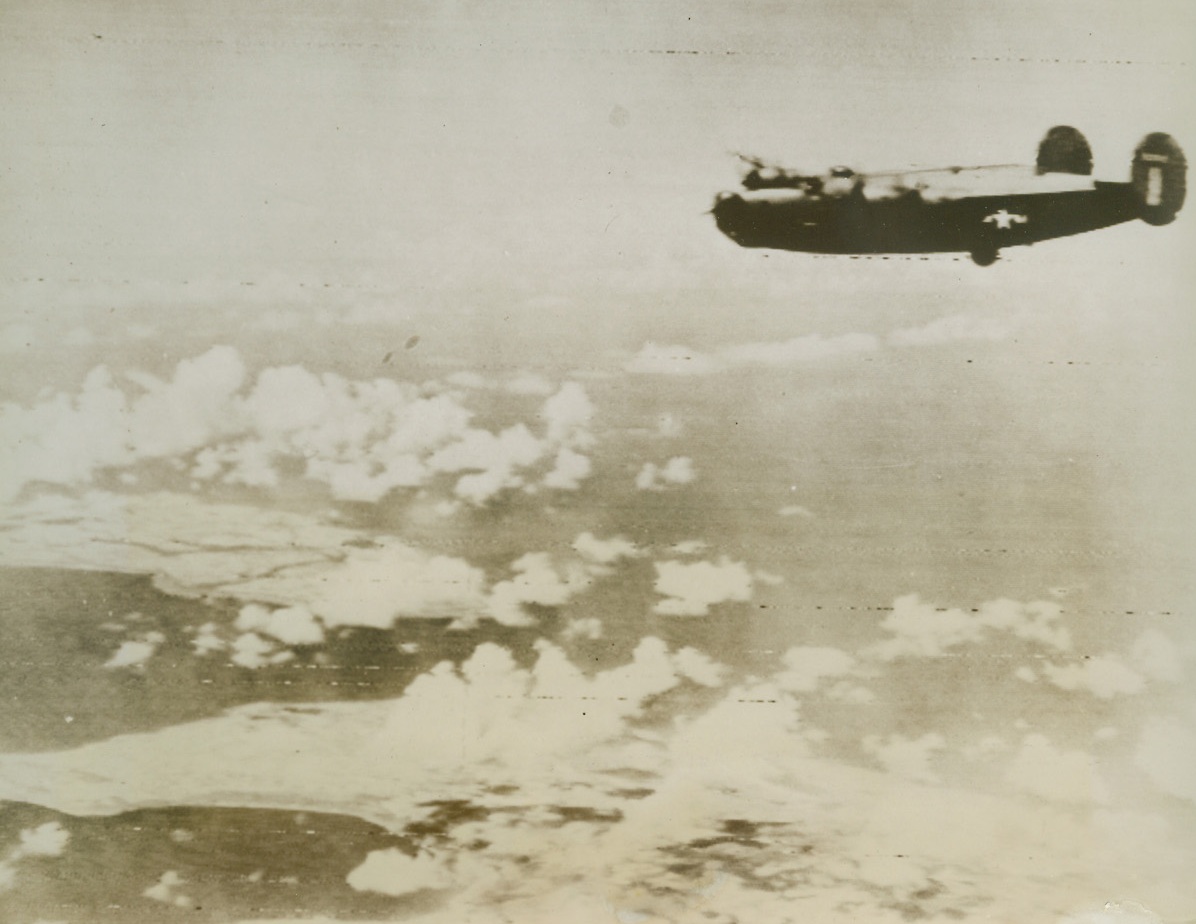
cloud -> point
(185, 543)
(291, 625)
(767, 577)
(678, 470)
(852, 694)
(909, 758)
(251, 650)
(795, 510)
(288, 399)
(668, 426)
(519, 722)
(569, 470)
(374, 587)
(567, 416)
(806, 667)
(362, 439)
(1166, 753)
(1041, 769)
(753, 732)
(699, 667)
(136, 652)
(527, 384)
(986, 748)
(207, 640)
(655, 359)
(166, 890)
(604, 551)
(536, 581)
(808, 348)
(393, 872)
(64, 440)
(541, 579)
(46, 840)
(481, 450)
(494, 460)
(1126, 912)
(173, 417)
(1157, 656)
(690, 589)
(250, 462)
(1104, 676)
(921, 630)
(950, 329)
(558, 781)
(587, 627)
(675, 359)
(296, 576)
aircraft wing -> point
(964, 182)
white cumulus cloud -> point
(807, 666)
(677, 470)
(657, 359)
(604, 551)
(375, 587)
(1056, 774)
(569, 470)
(919, 629)
(907, 757)
(567, 416)
(690, 589)
(251, 650)
(46, 840)
(392, 872)
(135, 652)
(167, 890)
(1104, 676)
(291, 625)
(538, 581)
(362, 439)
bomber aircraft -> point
(974, 210)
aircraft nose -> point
(725, 205)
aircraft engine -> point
(1159, 178)
(1064, 150)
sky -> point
(397, 462)
(191, 142)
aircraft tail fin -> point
(1064, 150)
(1159, 177)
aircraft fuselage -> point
(908, 222)
(976, 210)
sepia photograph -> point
(597, 462)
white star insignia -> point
(1004, 220)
